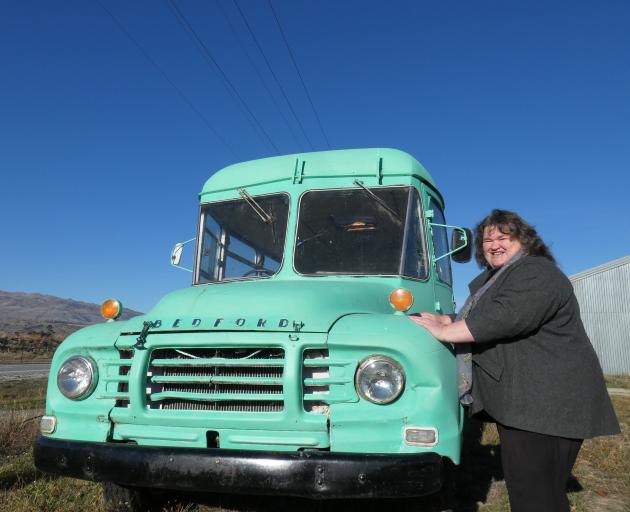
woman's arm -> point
(452, 332)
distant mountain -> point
(34, 312)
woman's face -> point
(499, 247)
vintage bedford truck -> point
(289, 366)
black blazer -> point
(534, 367)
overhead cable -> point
(210, 59)
(284, 94)
(172, 84)
(286, 42)
(251, 62)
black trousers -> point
(536, 469)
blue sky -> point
(517, 105)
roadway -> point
(22, 371)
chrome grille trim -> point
(315, 375)
(233, 406)
(122, 388)
(217, 379)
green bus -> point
(289, 366)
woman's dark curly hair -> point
(511, 224)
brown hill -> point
(36, 313)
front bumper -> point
(307, 474)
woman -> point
(534, 371)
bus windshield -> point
(360, 231)
(242, 238)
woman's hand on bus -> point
(435, 324)
(443, 328)
(442, 319)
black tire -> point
(126, 499)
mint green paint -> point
(349, 316)
(289, 170)
(276, 299)
(87, 419)
(430, 399)
(276, 440)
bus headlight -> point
(77, 377)
(379, 379)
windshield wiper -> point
(249, 199)
(379, 201)
(266, 217)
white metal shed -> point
(603, 293)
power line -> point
(249, 28)
(209, 58)
(262, 80)
(172, 84)
(298, 72)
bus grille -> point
(122, 399)
(316, 380)
(216, 379)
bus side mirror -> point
(461, 245)
(176, 254)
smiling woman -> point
(499, 247)
(534, 371)
(501, 235)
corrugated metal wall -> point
(604, 296)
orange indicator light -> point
(111, 309)
(401, 299)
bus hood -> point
(268, 305)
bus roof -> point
(320, 164)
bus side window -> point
(440, 244)
(415, 264)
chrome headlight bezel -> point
(85, 384)
(386, 363)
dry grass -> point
(602, 469)
(18, 428)
(603, 465)
(22, 394)
(618, 381)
